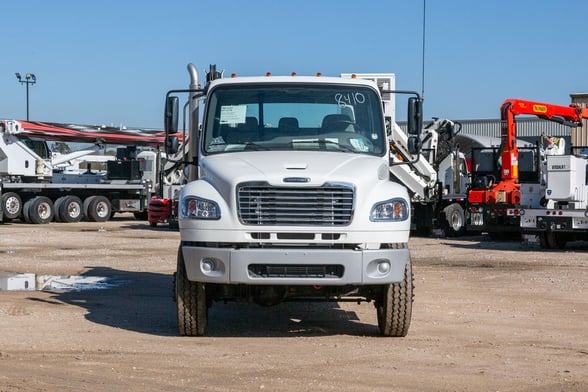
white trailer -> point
(289, 197)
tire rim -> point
(44, 211)
(102, 209)
(456, 222)
(12, 205)
(73, 210)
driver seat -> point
(337, 123)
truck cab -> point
(289, 198)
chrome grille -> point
(327, 205)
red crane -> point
(506, 191)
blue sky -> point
(112, 61)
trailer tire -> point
(394, 305)
(97, 208)
(191, 302)
(11, 205)
(454, 223)
(41, 210)
(70, 209)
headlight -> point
(393, 210)
(197, 208)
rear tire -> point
(191, 302)
(97, 208)
(394, 306)
(551, 240)
(70, 209)
(25, 210)
(454, 223)
(41, 210)
(11, 205)
(57, 207)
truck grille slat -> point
(328, 205)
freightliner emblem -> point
(296, 179)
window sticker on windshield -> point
(359, 144)
(234, 114)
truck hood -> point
(283, 168)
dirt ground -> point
(487, 316)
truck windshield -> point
(294, 117)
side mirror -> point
(414, 145)
(415, 116)
(172, 144)
(171, 114)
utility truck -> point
(437, 179)
(289, 197)
(562, 214)
(35, 185)
(509, 179)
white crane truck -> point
(35, 188)
(437, 178)
(289, 197)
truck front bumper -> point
(267, 266)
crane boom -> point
(82, 133)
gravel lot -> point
(488, 316)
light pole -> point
(29, 79)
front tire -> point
(394, 306)
(11, 205)
(191, 302)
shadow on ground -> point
(143, 302)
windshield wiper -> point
(248, 145)
(322, 142)
(254, 146)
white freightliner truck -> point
(34, 186)
(289, 197)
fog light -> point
(207, 265)
(384, 267)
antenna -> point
(423, 59)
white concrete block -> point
(13, 281)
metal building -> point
(527, 127)
(579, 136)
